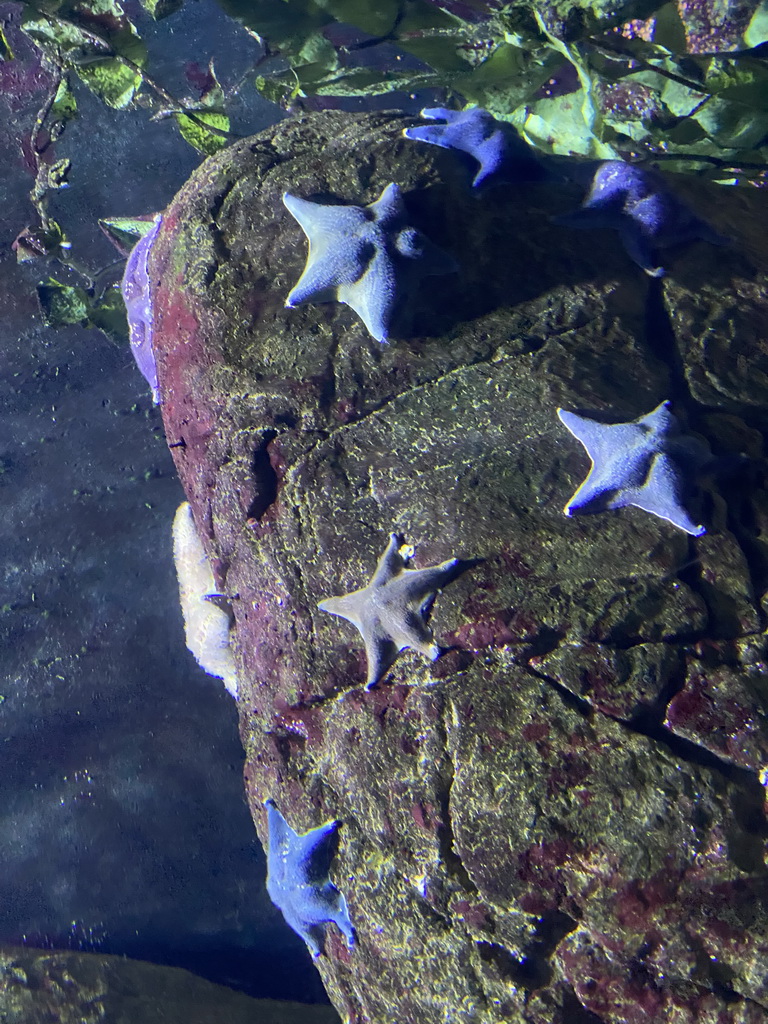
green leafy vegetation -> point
(685, 84)
(94, 39)
(124, 232)
(64, 304)
(598, 78)
(601, 79)
(161, 8)
(197, 122)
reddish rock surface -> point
(525, 838)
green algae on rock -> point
(521, 836)
(39, 986)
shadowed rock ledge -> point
(40, 987)
(561, 821)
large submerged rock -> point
(562, 819)
(40, 986)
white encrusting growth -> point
(206, 625)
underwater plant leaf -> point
(32, 243)
(124, 232)
(435, 37)
(6, 53)
(732, 125)
(108, 315)
(112, 81)
(571, 123)
(679, 99)
(757, 30)
(196, 134)
(210, 111)
(558, 125)
(377, 19)
(90, 44)
(669, 30)
(507, 80)
(284, 24)
(161, 8)
(440, 40)
(62, 304)
(317, 49)
(744, 80)
(64, 106)
(275, 88)
(361, 82)
(54, 35)
(439, 51)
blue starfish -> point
(638, 204)
(364, 256)
(496, 146)
(645, 463)
(390, 612)
(298, 883)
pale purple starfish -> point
(638, 204)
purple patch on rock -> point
(138, 304)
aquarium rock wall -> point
(561, 818)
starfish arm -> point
(618, 457)
(477, 133)
(440, 114)
(434, 134)
(662, 496)
(280, 832)
(616, 449)
(338, 248)
(321, 278)
(342, 920)
(348, 606)
(610, 476)
(317, 220)
(412, 631)
(663, 219)
(389, 207)
(598, 215)
(415, 246)
(322, 906)
(661, 420)
(374, 296)
(490, 153)
(390, 563)
(587, 493)
(637, 247)
(380, 653)
(307, 933)
(417, 584)
(581, 427)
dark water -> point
(123, 826)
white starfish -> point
(390, 612)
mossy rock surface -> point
(39, 986)
(560, 820)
